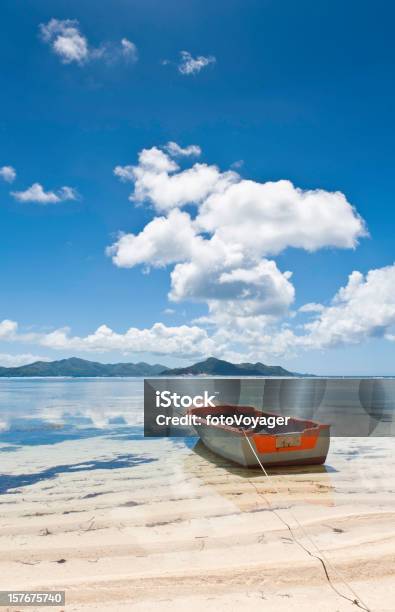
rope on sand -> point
(321, 556)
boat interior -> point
(294, 425)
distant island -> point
(75, 367)
(218, 367)
(81, 367)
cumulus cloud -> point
(311, 307)
(8, 329)
(363, 308)
(67, 41)
(129, 50)
(273, 216)
(206, 270)
(219, 252)
(192, 65)
(175, 150)
(270, 216)
(166, 191)
(8, 174)
(241, 289)
(163, 241)
(219, 234)
(247, 328)
(157, 179)
(36, 193)
(11, 361)
(160, 339)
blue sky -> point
(298, 91)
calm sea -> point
(50, 409)
(100, 420)
(39, 414)
(46, 410)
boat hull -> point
(304, 443)
(237, 449)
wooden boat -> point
(299, 442)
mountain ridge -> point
(219, 367)
(76, 367)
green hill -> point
(81, 367)
(218, 367)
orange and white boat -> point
(298, 442)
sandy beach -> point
(185, 529)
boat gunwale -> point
(313, 428)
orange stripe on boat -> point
(267, 444)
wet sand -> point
(188, 530)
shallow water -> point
(60, 425)
(43, 411)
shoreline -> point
(215, 376)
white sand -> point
(188, 532)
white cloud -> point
(246, 328)
(219, 252)
(8, 174)
(192, 65)
(129, 50)
(160, 339)
(13, 361)
(206, 270)
(8, 329)
(241, 289)
(155, 160)
(125, 173)
(192, 185)
(66, 40)
(156, 180)
(36, 193)
(175, 150)
(254, 337)
(163, 241)
(364, 308)
(272, 216)
(70, 45)
(151, 162)
(267, 216)
(311, 307)
(67, 193)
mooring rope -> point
(321, 557)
